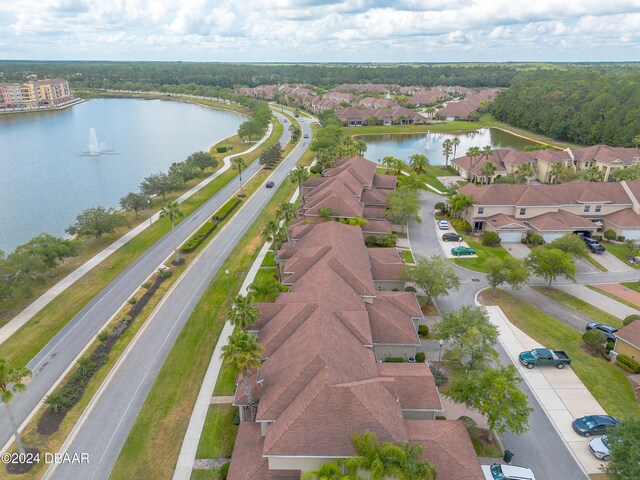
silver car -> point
(600, 448)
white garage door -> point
(550, 237)
(507, 237)
(633, 234)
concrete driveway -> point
(447, 246)
(517, 249)
(611, 262)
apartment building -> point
(34, 95)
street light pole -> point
(440, 342)
(226, 272)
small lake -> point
(404, 145)
(45, 182)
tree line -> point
(577, 104)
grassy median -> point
(580, 306)
(607, 383)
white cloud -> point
(321, 30)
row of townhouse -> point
(34, 95)
(605, 158)
(467, 108)
(323, 377)
(357, 117)
(555, 210)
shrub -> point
(103, 336)
(224, 471)
(597, 237)
(490, 239)
(423, 331)
(394, 360)
(146, 285)
(610, 235)
(387, 241)
(472, 427)
(620, 238)
(222, 149)
(409, 288)
(628, 364)
(595, 340)
(461, 225)
(609, 346)
(630, 318)
(535, 239)
(236, 417)
(132, 301)
(440, 206)
(317, 168)
(420, 357)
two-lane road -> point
(105, 429)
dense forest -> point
(229, 75)
(586, 106)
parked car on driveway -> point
(544, 356)
(608, 330)
(595, 247)
(451, 237)
(458, 251)
(594, 424)
(600, 448)
(443, 225)
(506, 472)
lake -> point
(404, 145)
(45, 181)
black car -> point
(270, 184)
(451, 237)
(594, 424)
(608, 330)
(595, 247)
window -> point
(523, 211)
(480, 210)
(598, 208)
(587, 208)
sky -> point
(321, 30)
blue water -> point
(404, 145)
(45, 182)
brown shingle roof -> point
(606, 154)
(391, 319)
(386, 263)
(247, 462)
(382, 180)
(630, 333)
(376, 227)
(501, 220)
(624, 218)
(447, 446)
(414, 385)
(560, 221)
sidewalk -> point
(187, 457)
(600, 301)
(41, 302)
(621, 291)
(560, 392)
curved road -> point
(541, 448)
(102, 432)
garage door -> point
(550, 237)
(633, 234)
(507, 237)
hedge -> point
(394, 360)
(222, 149)
(630, 318)
(423, 331)
(628, 364)
(420, 357)
(207, 229)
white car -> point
(443, 225)
(600, 448)
(506, 472)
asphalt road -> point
(60, 353)
(105, 430)
(541, 448)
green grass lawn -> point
(218, 425)
(614, 297)
(580, 306)
(154, 442)
(212, 474)
(484, 254)
(632, 285)
(269, 260)
(265, 274)
(619, 250)
(595, 263)
(607, 383)
(226, 383)
(407, 256)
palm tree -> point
(455, 143)
(460, 202)
(593, 174)
(242, 313)
(487, 151)
(419, 163)
(243, 354)
(172, 210)
(380, 461)
(11, 382)
(56, 402)
(266, 289)
(399, 164)
(286, 213)
(389, 162)
(636, 141)
(238, 164)
(326, 213)
(447, 150)
(271, 230)
(556, 170)
(357, 221)
(526, 171)
(488, 169)
(328, 471)
(412, 467)
(473, 153)
(299, 175)
(360, 147)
